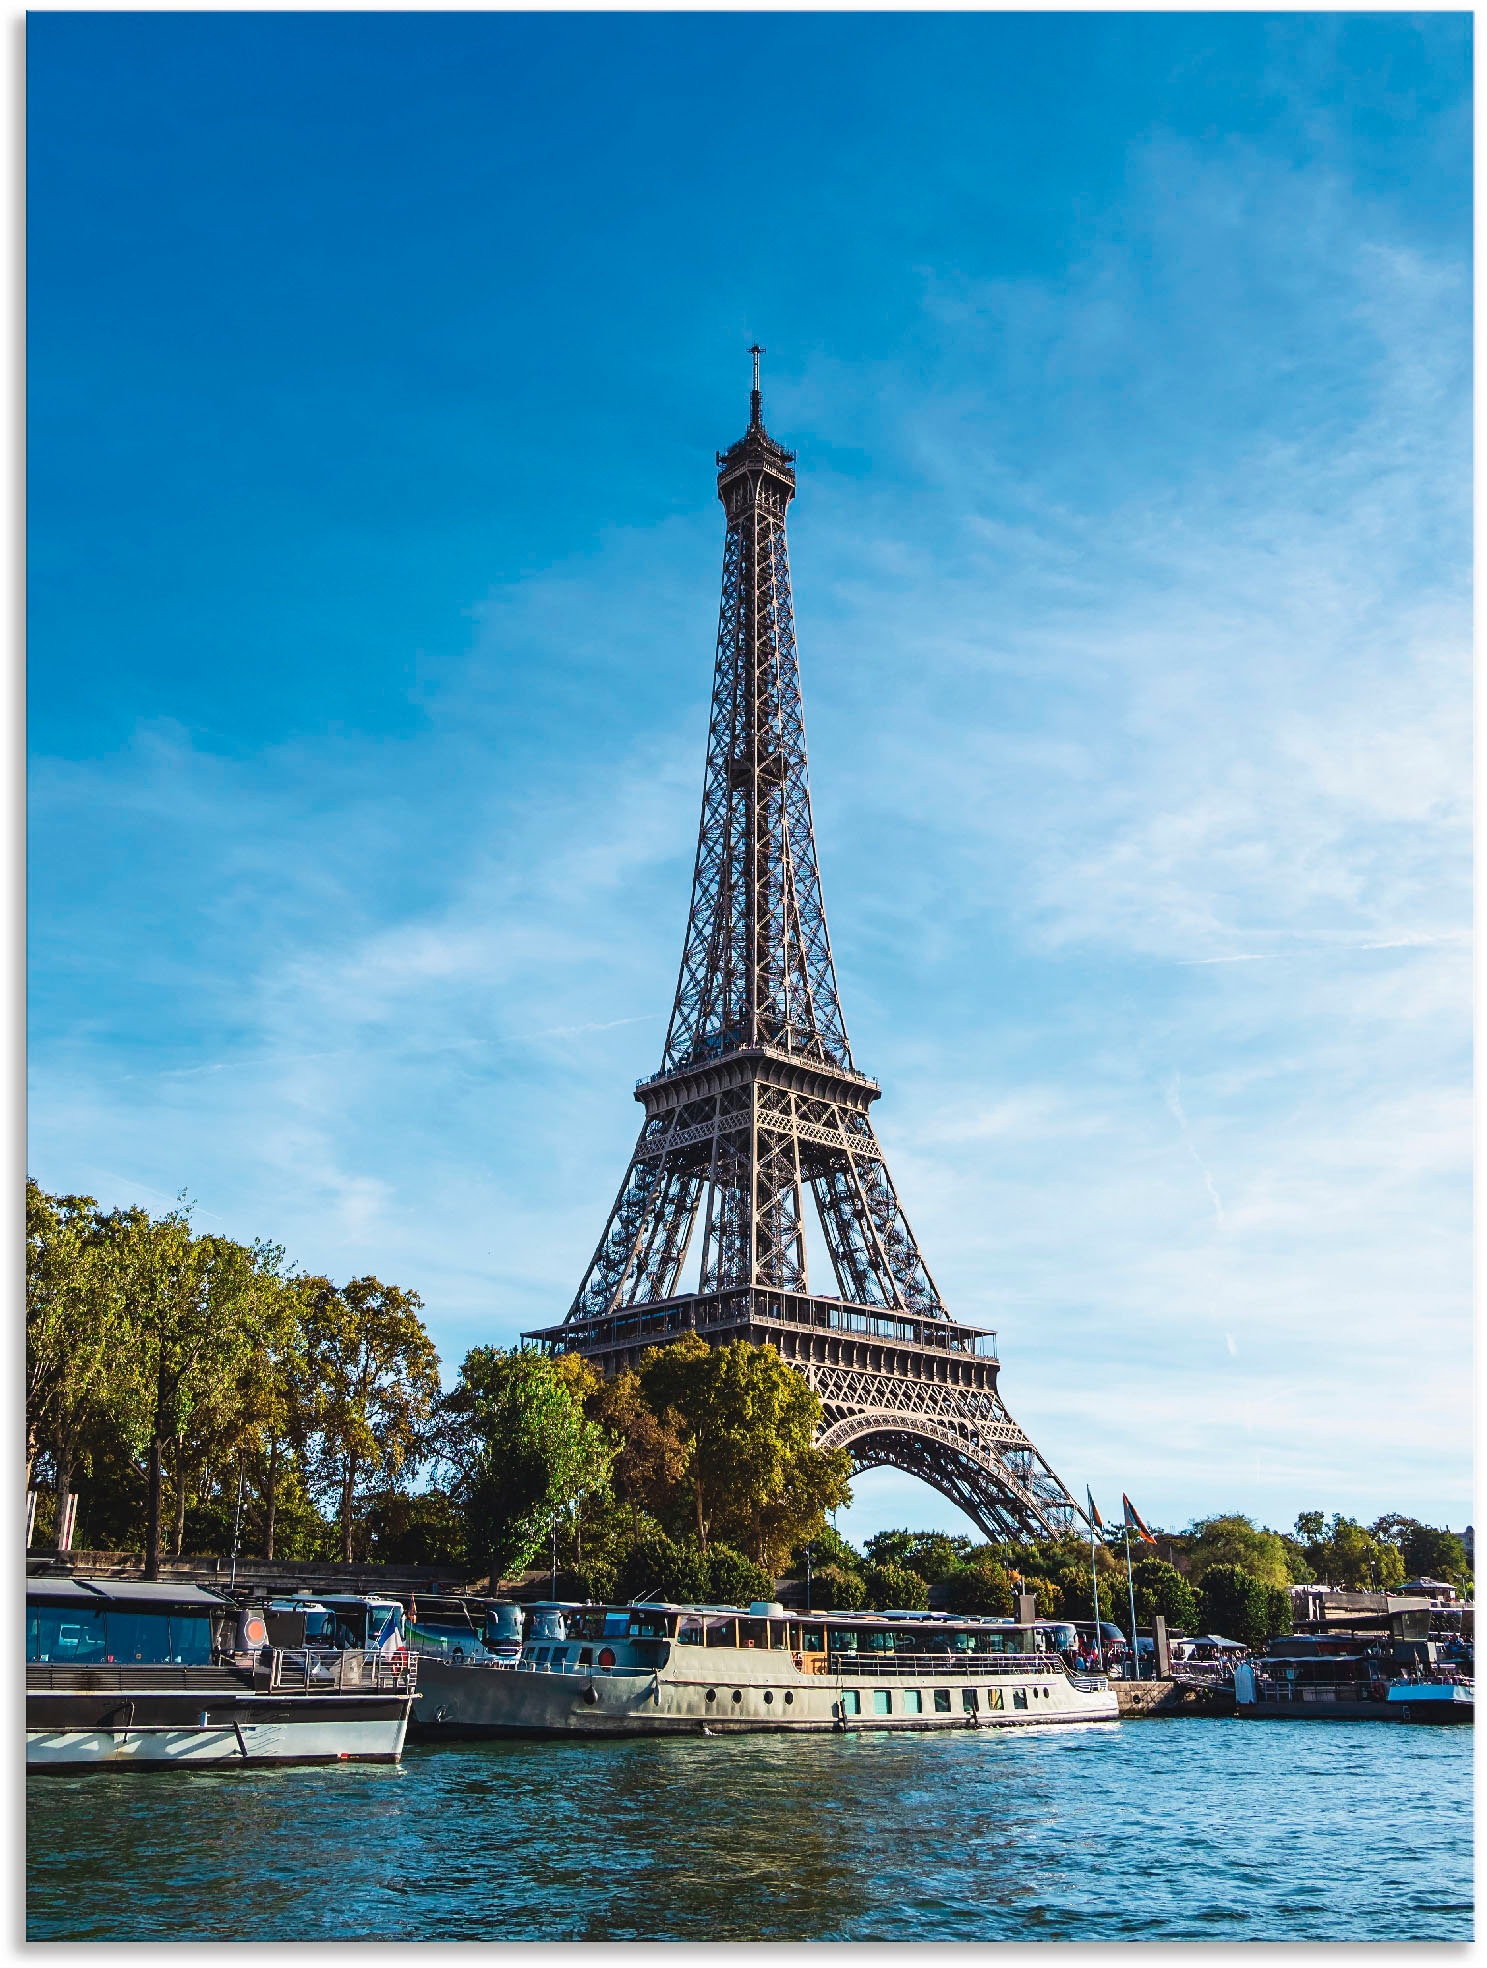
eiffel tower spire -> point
(758, 1102)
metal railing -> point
(310, 1671)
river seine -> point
(1191, 1829)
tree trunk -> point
(63, 1459)
(178, 1533)
(348, 1490)
(152, 1528)
(701, 1527)
(271, 1497)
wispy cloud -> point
(1141, 649)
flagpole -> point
(1094, 1586)
(1131, 1588)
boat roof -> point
(136, 1592)
(798, 1615)
(324, 1602)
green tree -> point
(73, 1325)
(279, 1446)
(1424, 1551)
(837, 1588)
(1236, 1604)
(377, 1375)
(189, 1307)
(896, 1586)
(1236, 1540)
(522, 1452)
(981, 1587)
(753, 1474)
(1161, 1588)
(1348, 1555)
(232, 1388)
(932, 1554)
(418, 1527)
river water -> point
(1206, 1829)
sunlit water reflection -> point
(1196, 1829)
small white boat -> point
(712, 1670)
(142, 1674)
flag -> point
(1133, 1520)
(388, 1640)
(1094, 1516)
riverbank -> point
(1147, 1701)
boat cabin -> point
(584, 1638)
(335, 1623)
(93, 1622)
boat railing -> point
(1281, 1690)
(312, 1671)
(852, 1662)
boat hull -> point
(723, 1697)
(147, 1726)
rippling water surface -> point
(1192, 1829)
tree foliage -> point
(162, 1363)
(522, 1452)
(895, 1586)
(1237, 1540)
(745, 1421)
(1161, 1588)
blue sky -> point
(376, 367)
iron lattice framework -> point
(758, 1100)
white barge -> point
(152, 1675)
(700, 1670)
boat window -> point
(616, 1626)
(646, 1626)
(779, 1634)
(879, 1642)
(543, 1654)
(753, 1633)
(689, 1630)
(882, 1701)
(969, 1700)
(586, 1657)
(851, 1702)
(588, 1625)
(722, 1632)
(160, 1637)
(812, 1640)
(65, 1633)
(844, 1639)
(942, 1701)
(913, 1702)
(907, 1641)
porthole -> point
(789, 1697)
(768, 1695)
(737, 1695)
(712, 1694)
(606, 1657)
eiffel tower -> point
(758, 1099)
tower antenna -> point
(754, 399)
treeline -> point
(194, 1390)
(1222, 1575)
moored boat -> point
(1444, 1700)
(698, 1670)
(151, 1675)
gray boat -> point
(712, 1670)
